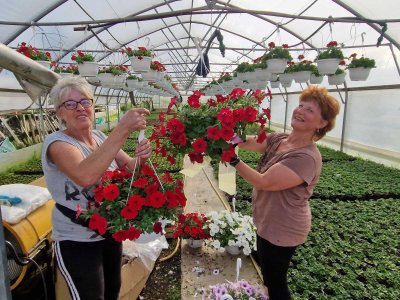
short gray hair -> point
(65, 85)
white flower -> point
(216, 244)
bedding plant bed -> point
(353, 250)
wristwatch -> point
(234, 161)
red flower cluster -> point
(201, 129)
(157, 66)
(127, 211)
(33, 52)
(332, 44)
(192, 225)
(81, 57)
(140, 52)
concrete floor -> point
(200, 265)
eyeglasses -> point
(72, 104)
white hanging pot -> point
(275, 84)
(88, 68)
(263, 74)
(140, 65)
(327, 66)
(106, 79)
(302, 76)
(359, 74)
(276, 65)
(233, 250)
(150, 75)
(286, 79)
(316, 79)
(131, 83)
(336, 79)
(44, 63)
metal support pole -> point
(94, 104)
(43, 132)
(344, 101)
(107, 110)
(5, 292)
(286, 107)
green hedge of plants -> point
(353, 250)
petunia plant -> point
(140, 52)
(124, 210)
(206, 129)
(33, 53)
(192, 225)
(80, 57)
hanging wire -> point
(362, 43)
(353, 33)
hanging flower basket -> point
(106, 79)
(276, 65)
(327, 66)
(336, 79)
(275, 84)
(151, 76)
(140, 64)
(44, 63)
(88, 68)
(286, 79)
(302, 76)
(314, 79)
(359, 74)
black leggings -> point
(92, 270)
(274, 262)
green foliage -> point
(357, 179)
(331, 52)
(125, 107)
(352, 251)
(300, 66)
(245, 67)
(277, 52)
(362, 62)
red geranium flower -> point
(199, 145)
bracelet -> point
(234, 161)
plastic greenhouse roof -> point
(170, 28)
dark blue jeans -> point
(92, 270)
(274, 262)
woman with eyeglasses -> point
(73, 160)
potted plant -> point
(205, 129)
(86, 63)
(359, 68)
(132, 81)
(66, 70)
(234, 290)
(275, 83)
(243, 71)
(42, 57)
(328, 60)
(193, 227)
(286, 77)
(124, 208)
(231, 231)
(302, 69)
(337, 78)
(315, 77)
(277, 57)
(155, 73)
(112, 76)
(140, 58)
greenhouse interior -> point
(155, 126)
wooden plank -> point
(11, 131)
